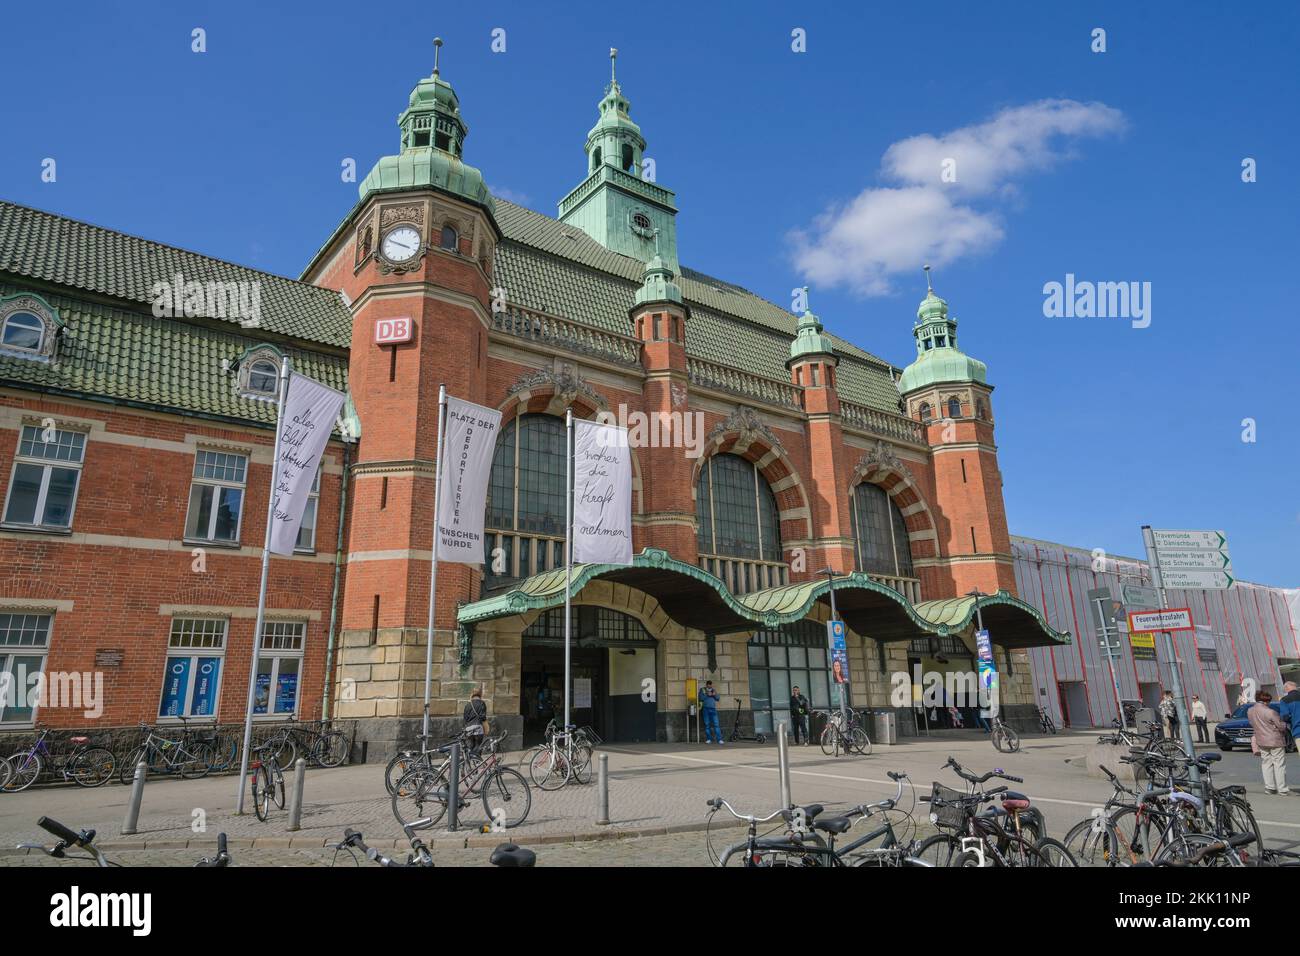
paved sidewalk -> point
(655, 789)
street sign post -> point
(1105, 608)
(1140, 596)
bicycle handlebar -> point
(717, 803)
(971, 778)
(62, 832)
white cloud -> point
(923, 218)
(510, 195)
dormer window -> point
(258, 375)
(28, 327)
(263, 377)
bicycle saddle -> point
(1209, 758)
(78, 740)
(833, 824)
(511, 854)
(809, 811)
(1011, 800)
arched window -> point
(738, 518)
(879, 533)
(595, 159)
(24, 330)
(449, 239)
(263, 377)
(525, 506)
(925, 411)
(954, 407)
(629, 164)
(981, 410)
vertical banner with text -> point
(310, 410)
(602, 494)
(467, 452)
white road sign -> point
(1194, 561)
(1168, 619)
(1139, 595)
(1196, 580)
(1189, 540)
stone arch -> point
(882, 467)
(743, 433)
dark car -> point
(1235, 730)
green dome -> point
(938, 359)
(657, 284)
(809, 338)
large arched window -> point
(738, 518)
(879, 533)
(526, 499)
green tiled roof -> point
(550, 267)
(42, 246)
(133, 357)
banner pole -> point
(433, 571)
(568, 554)
(261, 593)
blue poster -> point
(262, 694)
(835, 631)
(286, 692)
(983, 647)
(176, 682)
(204, 703)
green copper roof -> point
(938, 359)
(657, 284)
(809, 338)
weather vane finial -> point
(928, 286)
(613, 56)
(437, 50)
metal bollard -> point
(453, 795)
(783, 764)
(137, 795)
(602, 815)
(299, 780)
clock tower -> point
(619, 204)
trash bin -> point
(884, 727)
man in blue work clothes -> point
(709, 711)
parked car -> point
(1235, 730)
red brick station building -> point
(136, 439)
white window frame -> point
(218, 484)
(9, 651)
(194, 652)
(24, 349)
(271, 632)
(47, 465)
(313, 503)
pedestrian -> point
(1289, 707)
(799, 715)
(475, 720)
(1270, 742)
(1200, 715)
(1169, 715)
(709, 711)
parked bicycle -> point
(85, 840)
(1045, 721)
(841, 735)
(85, 765)
(421, 797)
(507, 854)
(1152, 741)
(6, 771)
(188, 757)
(1005, 740)
(266, 779)
(323, 747)
(565, 757)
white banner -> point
(602, 494)
(310, 410)
(466, 467)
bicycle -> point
(324, 747)
(507, 854)
(85, 765)
(1045, 722)
(1005, 740)
(420, 798)
(224, 745)
(1151, 742)
(85, 840)
(6, 771)
(983, 841)
(838, 735)
(565, 757)
(267, 781)
(159, 754)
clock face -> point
(401, 244)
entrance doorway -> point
(1074, 703)
(613, 661)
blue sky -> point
(1101, 426)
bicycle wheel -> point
(550, 769)
(581, 764)
(6, 771)
(1053, 853)
(859, 741)
(526, 760)
(126, 769)
(1234, 817)
(828, 740)
(402, 763)
(284, 748)
(506, 798)
(942, 849)
(1132, 836)
(1093, 842)
(261, 783)
(330, 749)
(1005, 739)
(1187, 845)
(420, 798)
(25, 768)
(277, 787)
(92, 767)
(196, 761)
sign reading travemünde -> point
(1193, 560)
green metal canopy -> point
(694, 598)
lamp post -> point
(976, 593)
(835, 616)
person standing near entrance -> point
(1169, 715)
(475, 720)
(709, 711)
(799, 715)
(1270, 741)
(1200, 715)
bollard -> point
(783, 765)
(602, 818)
(299, 780)
(453, 787)
(137, 795)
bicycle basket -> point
(948, 807)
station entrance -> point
(613, 657)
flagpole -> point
(568, 553)
(261, 593)
(433, 573)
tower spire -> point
(613, 58)
(928, 287)
(437, 51)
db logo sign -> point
(392, 331)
